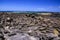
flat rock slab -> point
(22, 37)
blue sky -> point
(30, 5)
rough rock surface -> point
(29, 27)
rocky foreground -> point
(29, 27)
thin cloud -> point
(41, 9)
(59, 7)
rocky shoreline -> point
(29, 27)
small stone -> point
(55, 32)
(8, 18)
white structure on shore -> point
(45, 13)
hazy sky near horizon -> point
(30, 5)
